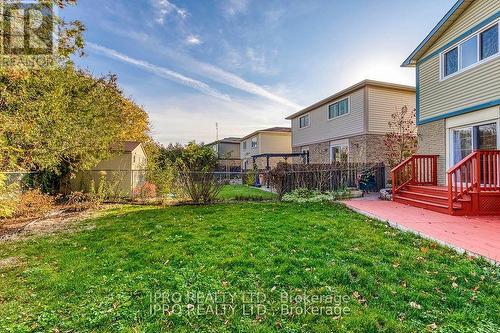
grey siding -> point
(229, 150)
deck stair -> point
(473, 184)
(431, 197)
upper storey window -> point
(489, 42)
(338, 109)
(479, 47)
(304, 121)
(254, 142)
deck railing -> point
(477, 172)
(417, 170)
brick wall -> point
(432, 141)
(367, 148)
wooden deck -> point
(473, 184)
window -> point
(304, 121)
(489, 42)
(339, 153)
(470, 52)
(254, 142)
(451, 61)
(478, 137)
(244, 145)
(338, 109)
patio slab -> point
(478, 235)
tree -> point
(63, 120)
(196, 165)
(401, 141)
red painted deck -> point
(473, 184)
(478, 235)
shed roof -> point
(125, 146)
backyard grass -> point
(109, 276)
(244, 193)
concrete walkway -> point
(476, 235)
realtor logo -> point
(26, 28)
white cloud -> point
(161, 71)
(165, 8)
(212, 72)
(219, 75)
(193, 40)
(233, 7)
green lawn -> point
(244, 193)
(104, 277)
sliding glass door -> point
(467, 139)
(461, 143)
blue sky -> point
(246, 64)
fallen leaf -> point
(415, 305)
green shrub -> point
(250, 178)
(303, 195)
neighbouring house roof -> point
(125, 146)
(348, 90)
(225, 140)
(450, 17)
(268, 130)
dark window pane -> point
(468, 52)
(487, 135)
(489, 42)
(451, 62)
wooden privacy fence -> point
(331, 177)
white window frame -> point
(338, 145)
(308, 115)
(252, 142)
(457, 45)
(336, 101)
(451, 147)
(244, 144)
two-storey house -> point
(458, 97)
(274, 140)
(350, 124)
(228, 152)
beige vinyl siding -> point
(322, 129)
(275, 143)
(475, 86)
(382, 103)
(477, 12)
